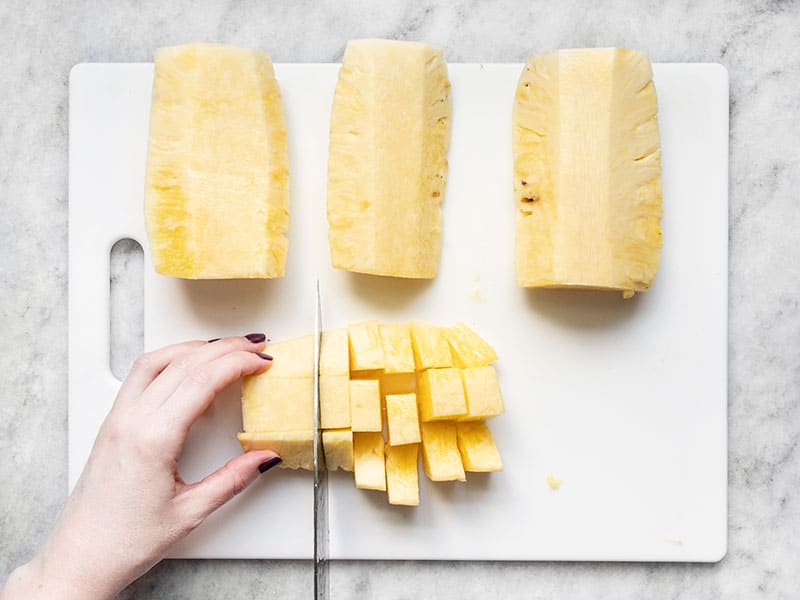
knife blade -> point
(321, 531)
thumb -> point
(207, 495)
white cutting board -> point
(625, 401)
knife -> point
(321, 531)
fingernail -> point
(256, 338)
(214, 340)
(264, 356)
(269, 463)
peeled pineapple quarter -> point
(217, 177)
(387, 160)
(587, 171)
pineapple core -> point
(587, 171)
(217, 181)
(387, 163)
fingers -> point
(188, 364)
(149, 365)
(204, 497)
(199, 388)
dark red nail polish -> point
(264, 356)
(256, 338)
(214, 340)
(269, 463)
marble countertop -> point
(759, 43)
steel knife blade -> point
(321, 531)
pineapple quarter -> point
(440, 456)
(366, 347)
(387, 161)
(402, 475)
(338, 447)
(468, 348)
(440, 394)
(482, 391)
(368, 461)
(277, 403)
(430, 346)
(365, 405)
(398, 355)
(402, 420)
(296, 448)
(476, 446)
(217, 175)
(587, 171)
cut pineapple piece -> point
(368, 460)
(365, 405)
(440, 394)
(338, 447)
(478, 452)
(366, 347)
(387, 160)
(397, 353)
(277, 403)
(291, 358)
(402, 478)
(402, 420)
(483, 393)
(334, 401)
(468, 348)
(587, 171)
(217, 179)
(431, 349)
(334, 353)
(440, 455)
(296, 448)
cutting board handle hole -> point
(126, 314)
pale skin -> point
(130, 504)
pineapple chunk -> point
(402, 420)
(334, 401)
(468, 348)
(587, 171)
(397, 353)
(388, 159)
(277, 403)
(291, 358)
(334, 353)
(366, 347)
(402, 479)
(483, 393)
(338, 447)
(440, 455)
(296, 448)
(217, 178)
(431, 349)
(368, 460)
(365, 405)
(478, 452)
(440, 393)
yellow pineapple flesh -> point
(440, 456)
(387, 164)
(402, 475)
(217, 177)
(587, 171)
(476, 446)
(296, 448)
(338, 447)
(368, 461)
(402, 420)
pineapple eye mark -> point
(530, 199)
(523, 182)
(435, 194)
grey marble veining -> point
(759, 42)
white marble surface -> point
(759, 42)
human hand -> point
(130, 504)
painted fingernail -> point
(264, 356)
(214, 340)
(256, 338)
(269, 463)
